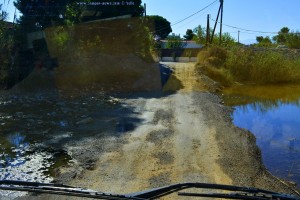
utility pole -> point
(145, 9)
(207, 31)
(238, 37)
(216, 22)
(221, 24)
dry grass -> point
(213, 56)
(249, 65)
(211, 61)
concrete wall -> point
(34, 36)
(179, 59)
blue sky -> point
(260, 15)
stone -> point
(85, 121)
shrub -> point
(258, 66)
(213, 56)
(174, 42)
(293, 40)
(219, 74)
(7, 53)
(262, 66)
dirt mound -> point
(39, 80)
(105, 72)
(114, 73)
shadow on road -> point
(38, 121)
(170, 83)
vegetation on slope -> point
(250, 65)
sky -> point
(257, 15)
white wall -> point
(179, 59)
(34, 36)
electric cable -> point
(194, 13)
(182, 20)
(192, 20)
(243, 29)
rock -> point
(46, 131)
(64, 110)
(19, 114)
(85, 121)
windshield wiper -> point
(243, 192)
(60, 189)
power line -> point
(248, 30)
(250, 33)
(182, 20)
(194, 14)
(192, 20)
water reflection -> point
(272, 114)
(34, 138)
(20, 161)
(17, 140)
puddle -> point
(21, 160)
(272, 114)
(124, 126)
(34, 131)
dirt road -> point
(172, 144)
(186, 136)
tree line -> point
(199, 35)
(284, 38)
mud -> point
(185, 136)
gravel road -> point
(185, 135)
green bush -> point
(255, 66)
(293, 40)
(211, 61)
(6, 53)
(213, 56)
(119, 37)
(262, 66)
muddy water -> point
(34, 130)
(272, 114)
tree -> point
(293, 40)
(259, 39)
(174, 42)
(189, 34)
(6, 37)
(7, 52)
(281, 38)
(264, 41)
(159, 26)
(99, 9)
(289, 38)
(284, 30)
(226, 41)
(200, 35)
(73, 13)
(39, 14)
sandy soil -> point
(186, 136)
(172, 144)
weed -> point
(213, 56)
(245, 65)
